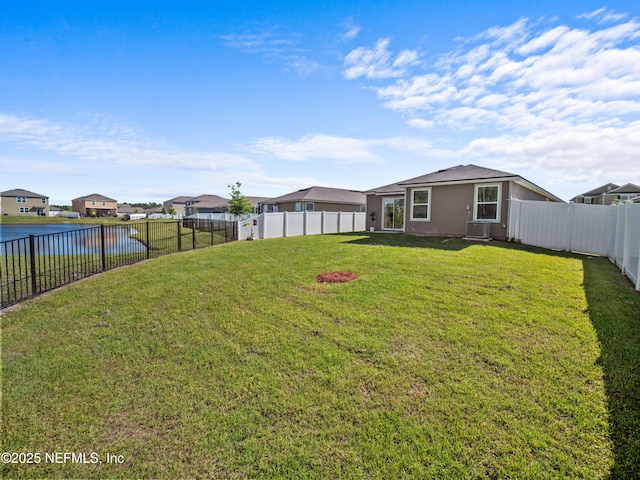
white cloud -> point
(109, 144)
(274, 47)
(554, 98)
(343, 150)
(351, 31)
(378, 62)
(316, 146)
(604, 15)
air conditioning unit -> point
(478, 230)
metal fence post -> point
(103, 247)
(32, 251)
(193, 234)
(179, 237)
(148, 246)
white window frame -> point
(93, 203)
(21, 199)
(498, 202)
(298, 207)
(428, 204)
(43, 200)
(309, 207)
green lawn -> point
(442, 360)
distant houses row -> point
(441, 203)
(24, 202)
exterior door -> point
(393, 208)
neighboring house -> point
(255, 203)
(607, 194)
(179, 204)
(23, 202)
(95, 205)
(206, 204)
(597, 196)
(54, 211)
(443, 203)
(317, 199)
(134, 213)
(626, 192)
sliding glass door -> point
(393, 208)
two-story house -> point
(95, 205)
(23, 202)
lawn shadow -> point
(440, 243)
(614, 310)
(393, 239)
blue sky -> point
(145, 101)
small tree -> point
(238, 205)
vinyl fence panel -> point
(612, 230)
(294, 225)
(289, 224)
(632, 241)
(314, 223)
(541, 224)
(591, 228)
(330, 222)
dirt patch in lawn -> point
(337, 277)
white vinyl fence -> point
(291, 224)
(612, 230)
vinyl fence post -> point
(32, 252)
(102, 248)
(284, 224)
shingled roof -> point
(19, 192)
(459, 173)
(322, 194)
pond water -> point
(64, 239)
(12, 232)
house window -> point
(93, 203)
(363, 208)
(21, 199)
(43, 200)
(487, 203)
(298, 206)
(104, 203)
(24, 209)
(309, 207)
(421, 204)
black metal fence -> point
(39, 263)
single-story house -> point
(206, 204)
(607, 194)
(133, 213)
(95, 205)
(317, 199)
(23, 202)
(178, 203)
(448, 202)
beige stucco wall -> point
(522, 193)
(374, 204)
(451, 208)
(84, 206)
(10, 206)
